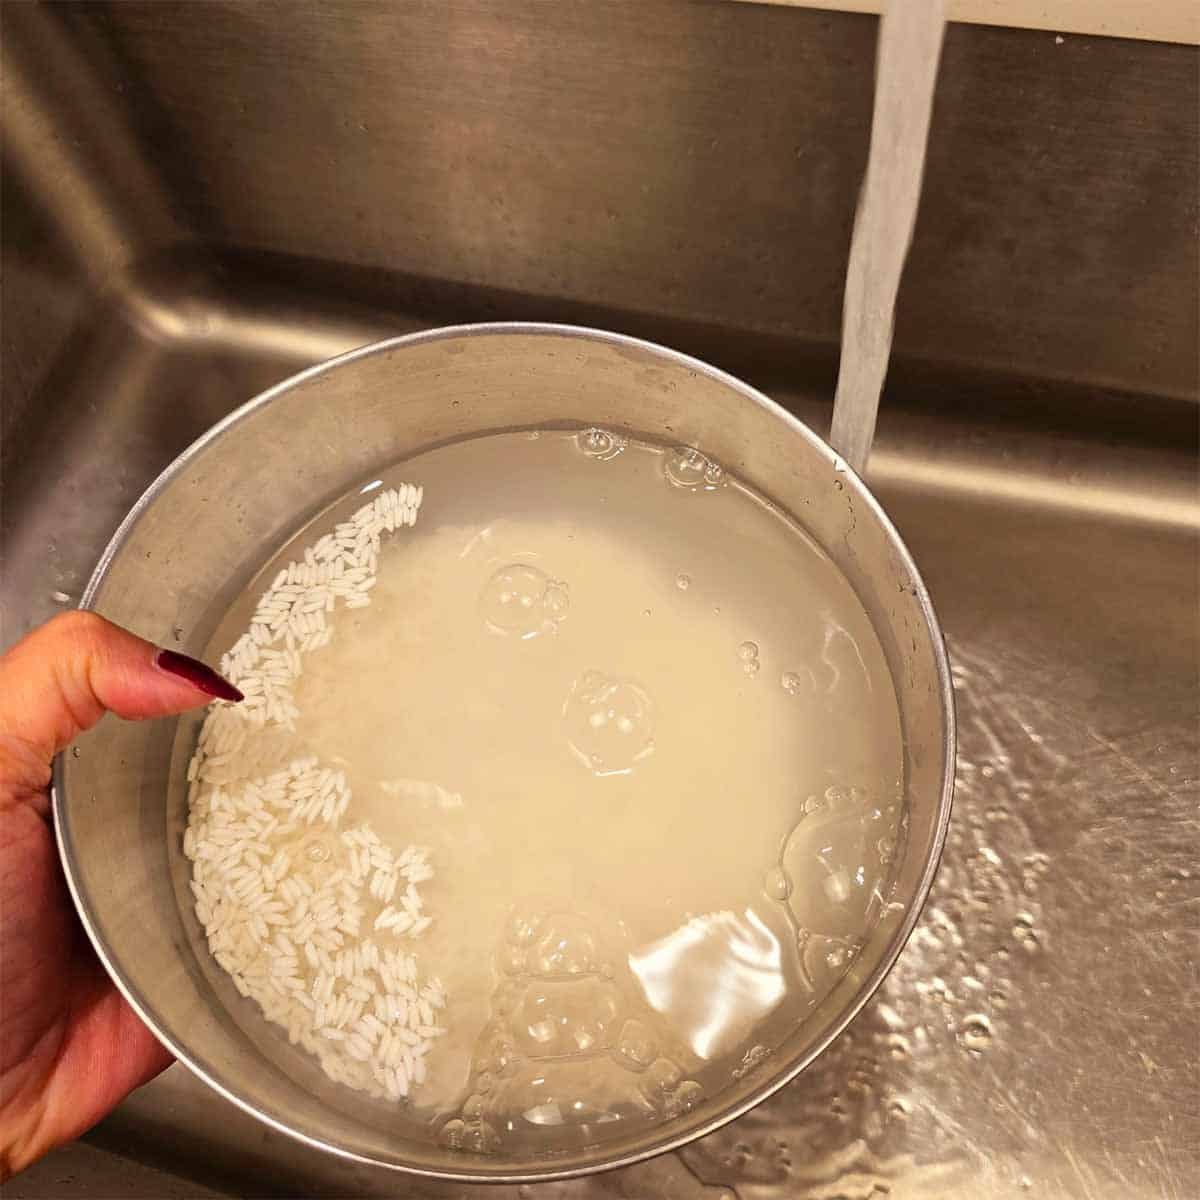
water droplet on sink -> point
(975, 1033)
(1025, 933)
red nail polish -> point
(198, 674)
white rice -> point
(308, 917)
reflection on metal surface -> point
(715, 976)
(1038, 1036)
(1029, 486)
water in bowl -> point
(645, 730)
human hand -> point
(71, 1048)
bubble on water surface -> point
(636, 1045)
(312, 853)
(792, 683)
(661, 1079)
(556, 1018)
(601, 444)
(751, 1059)
(693, 470)
(684, 1098)
(521, 600)
(556, 600)
(475, 1135)
(825, 959)
(747, 654)
(609, 723)
(832, 862)
(566, 1047)
(452, 1133)
(564, 946)
(777, 885)
(837, 957)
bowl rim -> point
(868, 986)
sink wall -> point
(695, 162)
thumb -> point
(63, 677)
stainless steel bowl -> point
(204, 527)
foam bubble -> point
(566, 1048)
(636, 1045)
(776, 884)
(601, 444)
(685, 1097)
(521, 600)
(833, 862)
(609, 723)
(689, 468)
(792, 683)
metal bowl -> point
(202, 530)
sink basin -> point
(197, 206)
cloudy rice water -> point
(568, 780)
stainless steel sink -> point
(200, 199)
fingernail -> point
(198, 674)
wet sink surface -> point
(1039, 1034)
